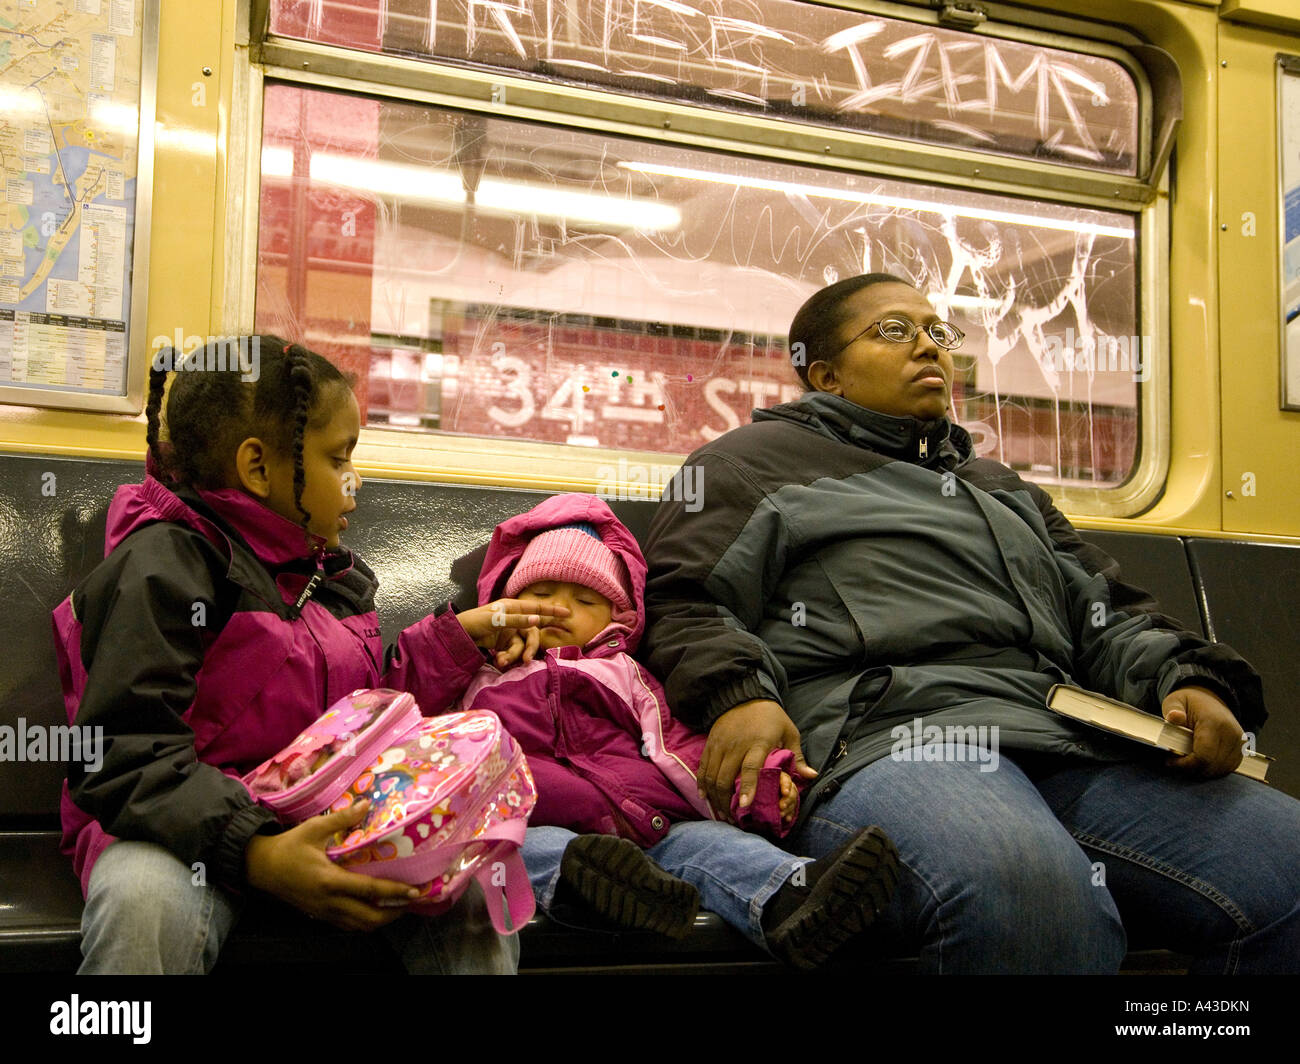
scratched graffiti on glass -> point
(798, 60)
(550, 284)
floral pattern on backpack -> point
(450, 798)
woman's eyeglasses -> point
(902, 331)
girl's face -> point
(330, 482)
(589, 613)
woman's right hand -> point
(293, 867)
(738, 744)
(496, 627)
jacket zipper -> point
(552, 703)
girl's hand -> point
(294, 868)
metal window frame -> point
(1288, 66)
(479, 461)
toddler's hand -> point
(293, 866)
(789, 800)
(522, 646)
(495, 627)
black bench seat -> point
(425, 541)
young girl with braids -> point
(224, 619)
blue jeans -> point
(145, 915)
(735, 872)
(1001, 873)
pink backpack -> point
(450, 798)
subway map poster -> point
(76, 81)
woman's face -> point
(911, 379)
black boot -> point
(840, 897)
(617, 879)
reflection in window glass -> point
(496, 278)
(782, 57)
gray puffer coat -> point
(866, 570)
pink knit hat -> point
(573, 554)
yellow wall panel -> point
(1261, 441)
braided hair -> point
(220, 396)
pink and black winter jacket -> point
(188, 646)
(605, 752)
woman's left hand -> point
(1216, 735)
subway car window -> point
(547, 284)
(931, 84)
(490, 274)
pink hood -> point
(514, 534)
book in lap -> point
(1119, 718)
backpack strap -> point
(507, 892)
(501, 873)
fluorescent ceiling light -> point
(875, 199)
(277, 162)
(419, 184)
(399, 180)
(518, 197)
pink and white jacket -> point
(605, 752)
(208, 638)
